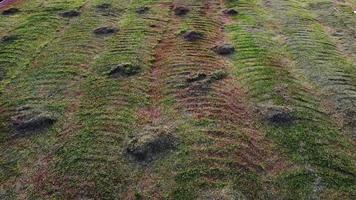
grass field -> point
(140, 99)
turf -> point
(276, 119)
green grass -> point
(315, 131)
(285, 56)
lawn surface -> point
(141, 99)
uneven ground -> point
(147, 111)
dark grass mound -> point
(192, 36)
(150, 144)
(180, 10)
(202, 82)
(70, 14)
(230, 11)
(196, 77)
(30, 123)
(142, 10)
(104, 6)
(124, 70)
(277, 115)
(105, 31)
(8, 39)
(10, 11)
(224, 49)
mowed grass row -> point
(204, 168)
(337, 19)
(265, 65)
(92, 164)
(29, 9)
(26, 31)
(27, 40)
(222, 155)
(54, 79)
(321, 58)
